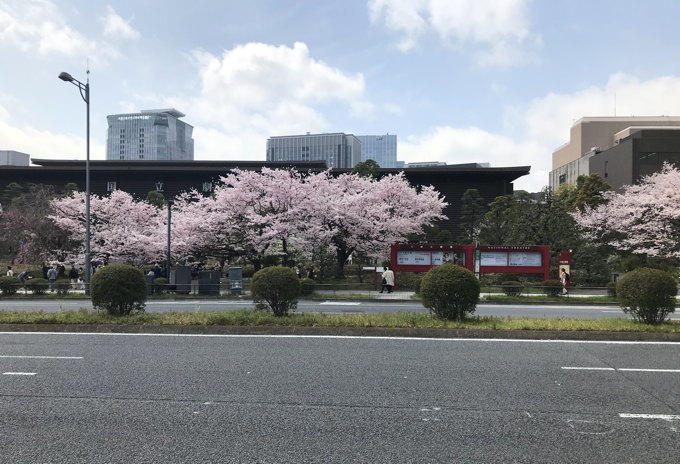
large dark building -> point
(640, 154)
(174, 177)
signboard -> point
(413, 258)
(494, 258)
(524, 258)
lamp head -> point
(64, 76)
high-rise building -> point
(592, 135)
(339, 150)
(149, 135)
(14, 158)
(380, 148)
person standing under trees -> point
(564, 277)
(73, 276)
(52, 277)
(10, 272)
(387, 280)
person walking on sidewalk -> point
(387, 280)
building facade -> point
(14, 158)
(174, 177)
(592, 135)
(380, 148)
(338, 150)
(149, 135)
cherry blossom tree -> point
(121, 227)
(643, 219)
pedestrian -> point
(44, 270)
(23, 276)
(52, 277)
(566, 283)
(73, 276)
(387, 280)
(10, 272)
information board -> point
(525, 259)
(494, 258)
(413, 258)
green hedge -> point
(512, 287)
(647, 294)
(449, 291)
(118, 289)
(552, 287)
(9, 285)
(276, 288)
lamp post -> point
(85, 94)
(168, 265)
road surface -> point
(110, 398)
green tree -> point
(12, 191)
(69, 188)
(472, 213)
(498, 222)
(156, 199)
(589, 191)
(368, 168)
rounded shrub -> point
(450, 291)
(611, 289)
(160, 286)
(62, 286)
(647, 294)
(512, 287)
(9, 285)
(306, 286)
(119, 289)
(37, 286)
(276, 288)
(552, 287)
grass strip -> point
(403, 320)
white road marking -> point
(667, 417)
(40, 357)
(18, 373)
(620, 369)
(588, 368)
(340, 303)
(647, 370)
(349, 337)
(613, 312)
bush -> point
(647, 294)
(276, 288)
(306, 286)
(450, 291)
(407, 281)
(119, 289)
(552, 287)
(611, 289)
(9, 285)
(512, 287)
(160, 286)
(38, 286)
(62, 286)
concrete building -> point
(14, 158)
(338, 150)
(149, 135)
(380, 148)
(592, 135)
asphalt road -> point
(111, 398)
(338, 307)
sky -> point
(458, 81)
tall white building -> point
(339, 150)
(149, 135)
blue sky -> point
(498, 81)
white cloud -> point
(116, 27)
(44, 144)
(543, 125)
(256, 90)
(498, 31)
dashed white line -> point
(41, 357)
(648, 370)
(18, 373)
(570, 368)
(343, 303)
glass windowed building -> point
(380, 148)
(149, 135)
(338, 150)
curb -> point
(346, 331)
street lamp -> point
(85, 94)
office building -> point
(592, 135)
(149, 135)
(380, 148)
(14, 158)
(338, 150)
